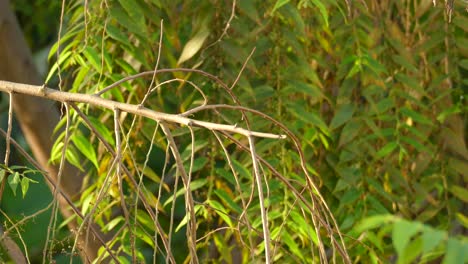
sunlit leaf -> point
(402, 232)
(292, 245)
(221, 211)
(24, 186)
(322, 9)
(462, 219)
(374, 222)
(93, 58)
(114, 222)
(86, 148)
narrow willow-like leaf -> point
(279, 4)
(387, 149)
(86, 148)
(225, 197)
(221, 211)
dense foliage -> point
(375, 92)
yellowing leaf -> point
(193, 45)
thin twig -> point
(153, 79)
(242, 69)
(226, 28)
(141, 196)
(118, 159)
(54, 213)
(8, 140)
(189, 203)
(10, 245)
(258, 179)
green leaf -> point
(292, 245)
(86, 148)
(416, 144)
(401, 60)
(221, 211)
(309, 117)
(386, 150)
(461, 22)
(240, 168)
(456, 251)
(373, 64)
(2, 175)
(102, 129)
(198, 164)
(431, 238)
(194, 185)
(263, 92)
(13, 181)
(24, 185)
(309, 89)
(224, 196)
(343, 114)
(135, 12)
(460, 192)
(322, 9)
(376, 204)
(148, 172)
(374, 222)
(462, 219)
(415, 116)
(72, 157)
(126, 21)
(304, 227)
(93, 58)
(454, 109)
(63, 57)
(385, 105)
(278, 4)
(115, 33)
(85, 205)
(113, 223)
(402, 232)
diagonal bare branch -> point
(52, 94)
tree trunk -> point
(38, 117)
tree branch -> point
(52, 94)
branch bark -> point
(65, 97)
